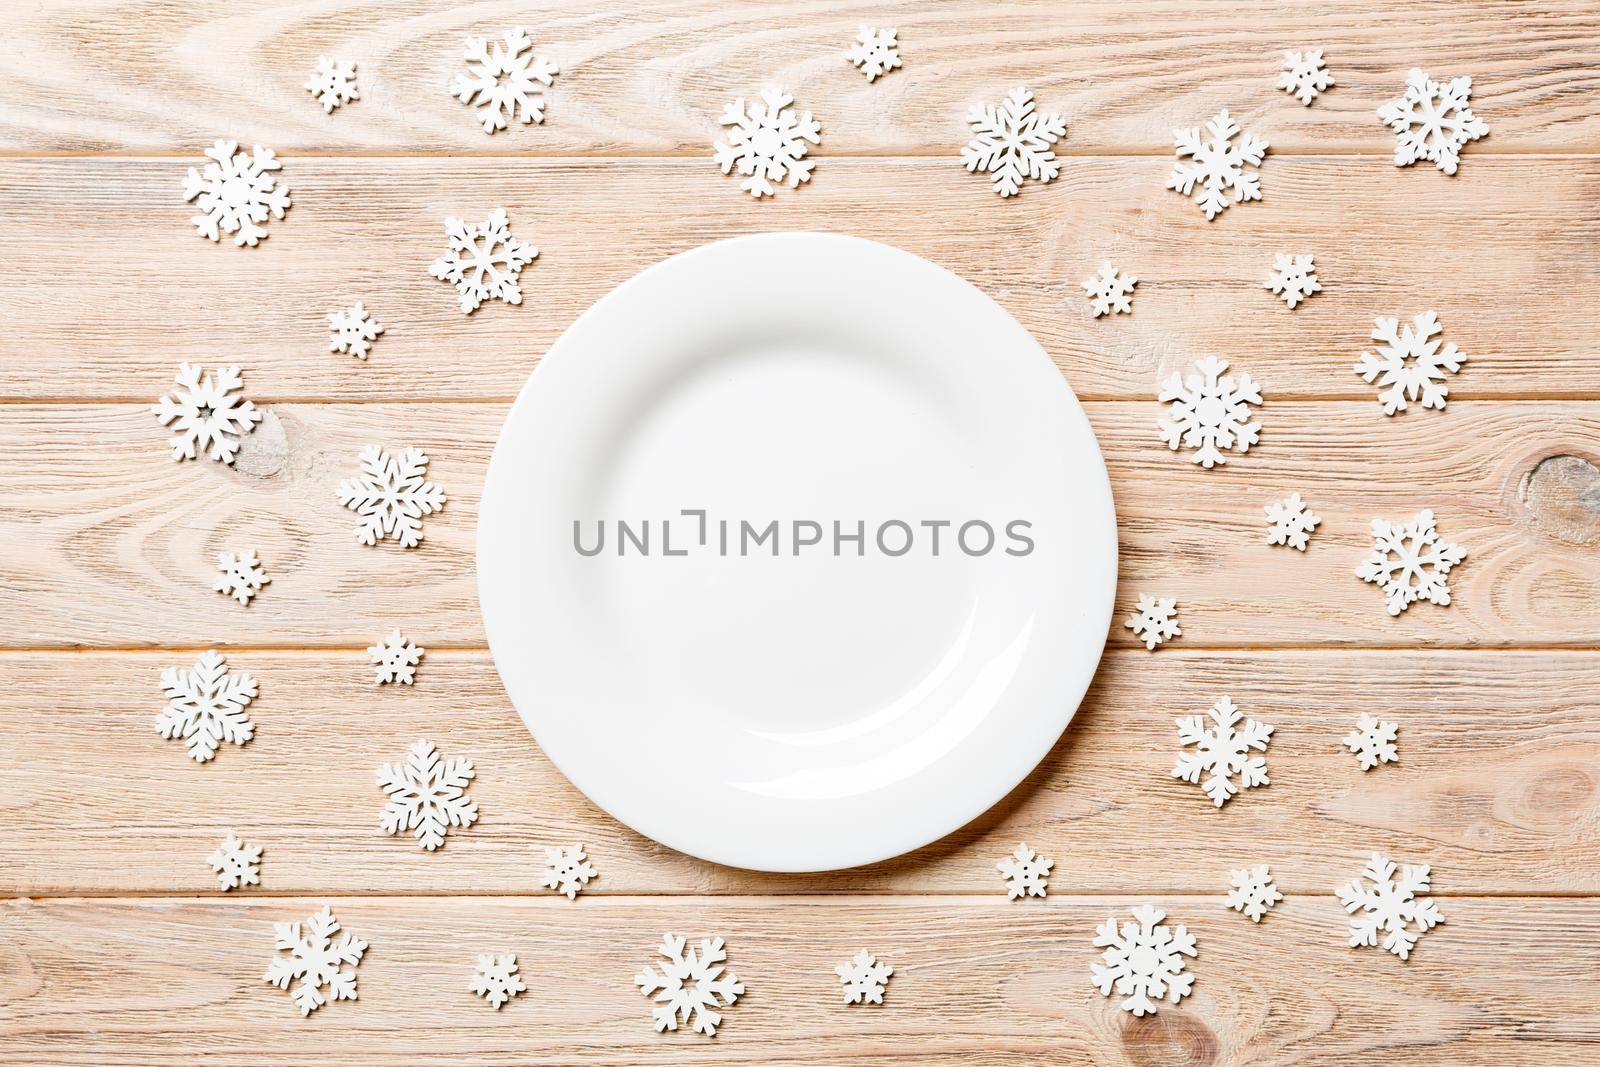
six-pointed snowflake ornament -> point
(353, 330)
(241, 577)
(1294, 278)
(1304, 76)
(1389, 906)
(1253, 892)
(333, 84)
(1433, 121)
(396, 659)
(864, 979)
(690, 986)
(1222, 753)
(1210, 412)
(205, 706)
(236, 192)
(317, 960)
(1409, 562)
(1013, 142)
(1110, 292)
(1027, 874)
(506, 83)
(767, 143)
(205, 413)
(1154, 620)
(1291, 522)
(497, 980)
(875, 52)
(1143, 961)
(567, 870)
(391, 493)
(1411, 365)
(1215, 176)
(1373, 741)
(236, 863)
(427, 795)
(483, 261)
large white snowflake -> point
(1294, 278)
(506, 83)
(317, 960)
(391, 494)
(1390, 906)
(767, 142)
(497, 980)
(1222, 753)
(333, 83)
(427, 795)
(236, 191)
(1432, 120)
(204, 413)
(1304, 76)
(1110, 292)
(483, 261)
(1210, 412)
(1409, 562)
(205, 706)
(1027, 874)
(1253, 892)
(353, 330)
(864, 979)
(1143, 961)
(1373, 741)
(875, 52)
(1154, 620)
(396, 659)
(1216, 168)
(1013, 142)
(1291, 522)
(567, 870)
(690, 986)
(242, 576)
(1411, 365)
(236, 863)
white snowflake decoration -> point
(690, 986)
(1210, 412)
(567, 870)
(1390, 906)
(1216, 168)
(396, 659)
(427, 795)
(204, 414)
(353, 330)
(1433, 121)
(1222, 752)
(1409, 562)
(497, 980)
(205, 706)
(1027, 874)
(507, 83)
(1373, 741)
(236, 863)
(864, 979)
(1143, 961)
(236, 192)
(1411, 366)
(1291, 522)
(1110, 292)
(242, 576)
(317, 960)
(391, 494)
(483, 261)
(1294, 278)
(1154, 620)
(875, 52)
(1304, 76)
(333, 84)
(1253, 892)
(767, 142)
(1013, 142)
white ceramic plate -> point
(804, 711)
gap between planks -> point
(952, 152)
(1355, 395)
(1574, 648)
(555, 901)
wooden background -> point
(115, 946)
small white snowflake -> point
(1109, 291)
(391, 494)
(317, 960)
(1027, 874)
(1222, 752)
(1253, 892)
(1013, 142)
(497, 980)
(483, 261)
(567, 870)
(875, 52)
(396, 659)
(1373, 741)
(1304, 76)
(864, 979)
(1216, 166)
(767, 143)
(1154, 620)
(205, 706)
(333, 84)
(690, 986)
(1294, 278)
(1143, 960)
(427, 795)
(506, 81)
(204, 414)
(1409, 562)
(1389, 906)
(1433, 121)
(242, 576)
(1291, 522)
(353, 330)
(236, 863)
(1210, 412)
(1411, 366)
(236, 191)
